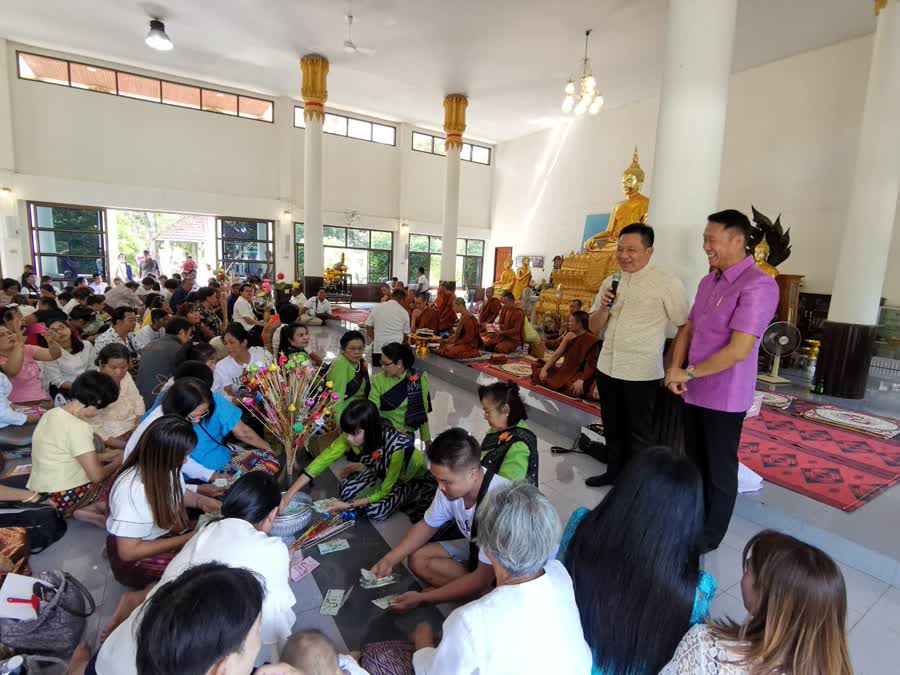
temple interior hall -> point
(377, 260)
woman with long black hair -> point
(148, 521)
(635, 564)
(400, 392)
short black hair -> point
(350, 336)
(577, 302)
(82, 293)
(400, 352)
(114, 350)
(244, 287)
(456, 449)
(645, 232)
(187, 394)
(582, 318)
(93, 388)
(421, 270)
(205, 293)
(177, 324)
(399, 294)
(732, 219)
(119, 314)
(288, 313)
(81, 313)
(508, 294)
(96, 299)
(237, 331)
(171, 284)
(49, 288)
(196, 369)
(252, 497)
(195, 351)
(133, 285)
(181, 630)
(11, 283)
(158, 315)
(148, 281)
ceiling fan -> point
(350, 47)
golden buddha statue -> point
(581, 274)
(761, 255)
(523, 278)
(632, 209)
(507, 278)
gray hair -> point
(519, 527)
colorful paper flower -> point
(505, 436)
(248, 401)
(296, 284)
(329, 384)
(298, 427)
(292, 408)
(413, 378)
(310, 403)
(280, 276)
(273, 368)
(376, 455)
(335, 396)
(282, 360)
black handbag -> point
(43, 524)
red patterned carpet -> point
(525, 383)
(842, 468)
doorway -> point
(501, 255)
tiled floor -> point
(874, 606)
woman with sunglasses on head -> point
(21, 365)
(294, 339)
(797, 603)
(213, 417)
(119, 418)
(77, 357)
(148, 521)
(349, 373)
(400, 392)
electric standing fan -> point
(780, 339)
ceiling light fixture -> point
(587, 99)
(157, 38)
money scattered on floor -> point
(385, 602)
(331, 603)
(333, 545)
(301, 566)
(367, 575)
(378, 583)
(321, 505)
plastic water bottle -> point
(13, 666)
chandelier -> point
(588, 98)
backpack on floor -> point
(43, 523)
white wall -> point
(790, 148)
(80, 147)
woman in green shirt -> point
(401, 393)
(349, 373)
(390, 474)
(509, 448)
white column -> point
(690, 132)
(451, 215)
(313, 251)
(866, 243)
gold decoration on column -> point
(880, 5)
(455, 119)
(313, 87)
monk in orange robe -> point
(581, 349)
(464, 343)
(490, 308)
(424, 315)
(444, 306)
(508, 337)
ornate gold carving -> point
(313, 88)
(455, 119)
(880, 5)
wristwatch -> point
(690, 372)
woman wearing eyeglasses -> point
(213, 417)
(148, 521)
(349, 373)
(401, 392)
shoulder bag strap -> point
(85, 592)
(482, 491)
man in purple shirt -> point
(735, 303)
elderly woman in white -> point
(530, 622)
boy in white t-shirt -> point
(455, 462)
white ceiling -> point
(511, 57)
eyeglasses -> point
(355, 349)
(195, 419)
(385, 364)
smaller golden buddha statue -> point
(507, 278)
(761, 255)
(523, 278)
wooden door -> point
(501, 255)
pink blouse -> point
(26, 385)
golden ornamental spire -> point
(634, 168)
(455, 119)
(313, 87)
(880, 5)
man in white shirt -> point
(455, 462)
(388, 322)
(153, 330)
(422, 285)
(97, 286)
(634, 319)
(319, 309)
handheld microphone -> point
(617, 277)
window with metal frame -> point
(245, 247)
(67, 241)
(435, 145)
(425, 251)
